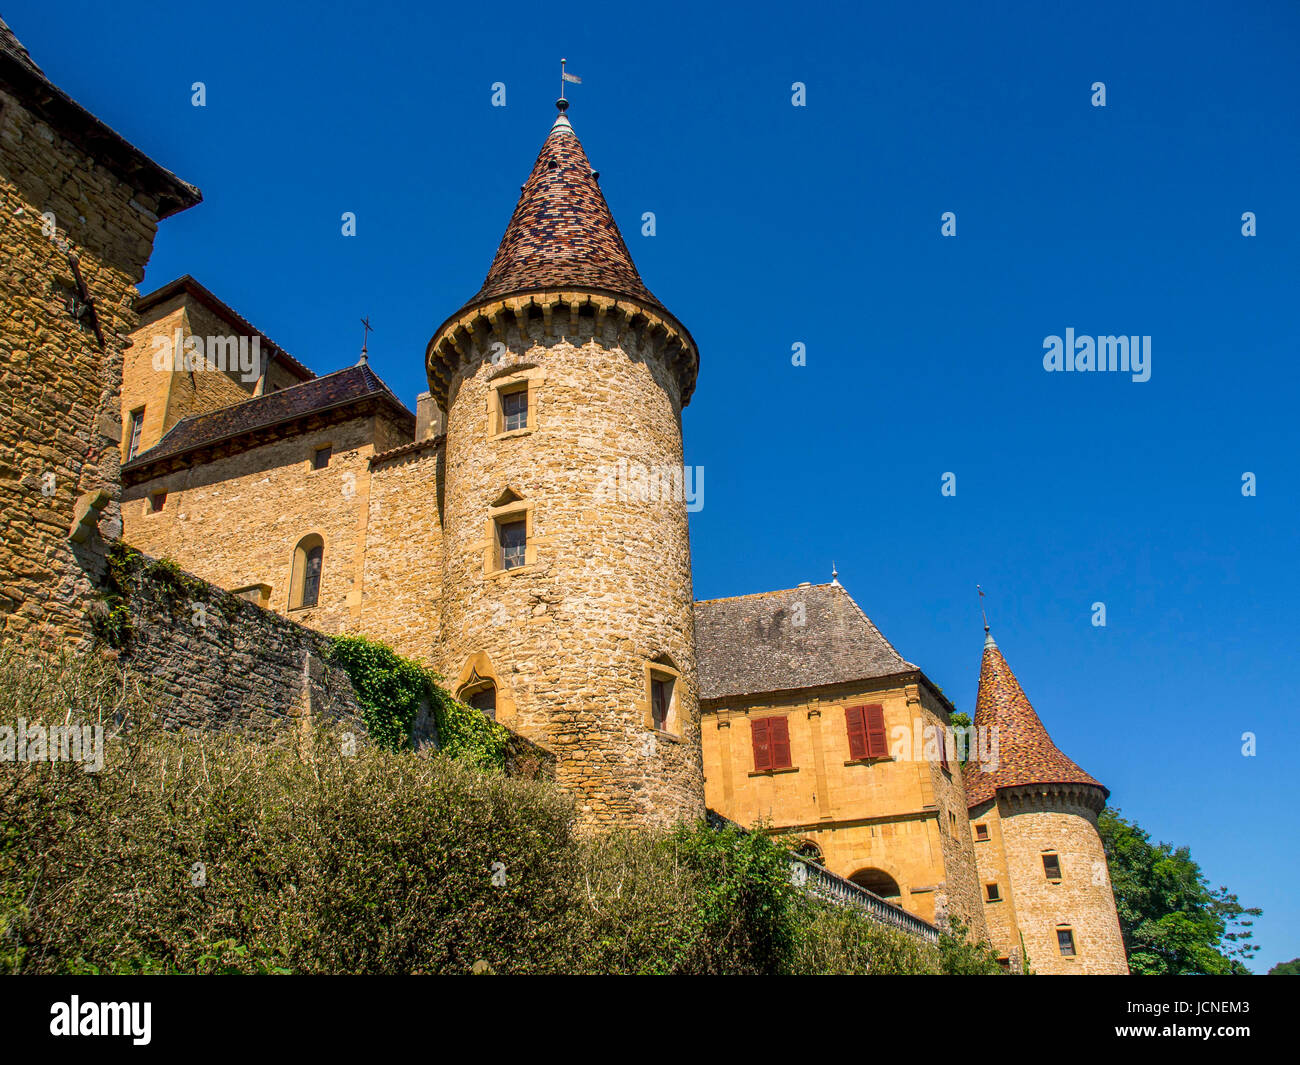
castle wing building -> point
(816, 727)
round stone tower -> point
(568, 607)
(1034, 817)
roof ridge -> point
(875, 628)
(755, 595)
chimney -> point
(429, 419)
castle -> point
(480, 533)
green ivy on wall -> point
(391, 688)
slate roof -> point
(341, 388)
(562, 234)
(751, 644)
(1026, 753)
(20, 74)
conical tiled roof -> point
(562, 234)
(1026, 753)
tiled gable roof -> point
(562, 234)
(1026, 753)
(341, 388)
(751, 644)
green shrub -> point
(216, 853)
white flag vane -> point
(565, 76)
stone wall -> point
(402, 590)
(1044, 818)
(568, 636)
(59, 407)
(237, 519)
(999, 914)
(220, 662)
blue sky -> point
(821, 225)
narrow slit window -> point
(661, 700)
(992, 893)
(311, 576)
(1052, 866)
(137, 425)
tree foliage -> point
(1172, 921)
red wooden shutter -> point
(762, 746)
(857, 725)
(877, 746)
(778, 731)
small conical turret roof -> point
(1026, 753)
(562, 234)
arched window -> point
(308, 557)
(481, 694)
(877, 882)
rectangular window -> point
(771, 744)
(992, 893)
(1052, 866)
(513, 536)
(514, 409)
(943, 748)
(137, 424)
(661, 701)
(1065, 940)
(157, 501)
(321, 457)
(981, 831)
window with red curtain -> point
(771, 744)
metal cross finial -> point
(365, 338)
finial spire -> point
(988, 636)
(835, 574)
(365, 337)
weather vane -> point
(566, 77)
(982, 614)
